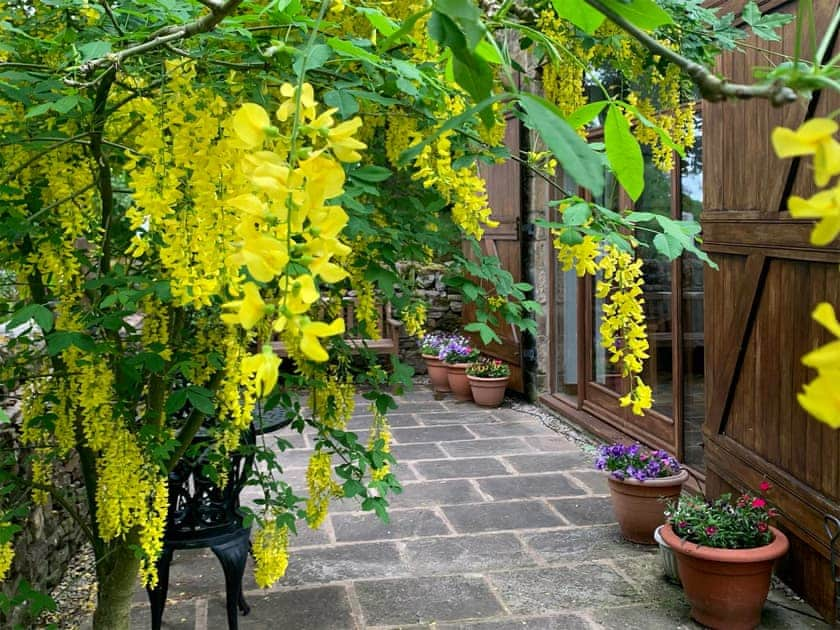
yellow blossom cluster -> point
(414, 319)
(270, 546)
(292, 171)
(463, 188)
(563, 77)
(820, 397)
(322, 488)
(380, 430)
(623, 330)
(332, 402)
(7, 554)
(658, 99)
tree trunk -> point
(116, 574)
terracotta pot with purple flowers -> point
(458, 353)
(725, 555)
(430, 346)
(641, 482)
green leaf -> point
(348, 49)
(200, 401)
(353, 488)
(575, 156)
(41, 314)
(94, 50)
(406, 28)
(667, 245)
(65, 103)
(379, 21)
(372, 173)
(765, 26)
(466, 14)
(473, 74)
(4, 417)
(487, 334)
(176, 401)
(585, 17)
(645, 14)
(578, 214)
(489, 51)
(624, 153)
(343, 101)
(584, 115)
(316, 58)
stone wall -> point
(50, 537)
(445, 306)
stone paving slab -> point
(403, 524)
(461, 468)
(416, 600)
(503, 525)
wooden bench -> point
(388, 329)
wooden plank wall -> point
(757, 317)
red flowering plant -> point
(744, 524)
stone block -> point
(595, 480)
(583, 543)
(431, 493)
(547, 462)
(553, 622)
(461, 468)
(471, 416)
(414, 452)
(422, 600)
(529, 486)
(466, 554)
(324, 608)
(537, 591)
(502, 516)
(432, 434)
(585, 511)
(494, 446)
(512, 429)
(403, 524)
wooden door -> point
(758, 324)
(504, 192)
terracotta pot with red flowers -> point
(725, 556)
(641, 482)
(458, 353)
(430, 346)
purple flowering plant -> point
(633, 461)
(458, 349)
(431, 344)
(744, 524)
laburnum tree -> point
(185, 183)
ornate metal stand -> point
(203, 515)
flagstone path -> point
(503, 525)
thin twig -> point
(112, 17)
(165, 36)
(711, 87)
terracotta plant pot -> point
(726, 587)
(640, 505)
(488, 392)
(458, 382)
(438, 373)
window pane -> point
(565, 333)
(658, 372)
(691, 179)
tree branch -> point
(712, 88)
(167, 35)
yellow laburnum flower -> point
(249, 310)
(340, 139)
(7, 554)
(264, 367)
(825, 206)
(264, 256)
(301, 293)
(307, 101)
(821, 398)
(250, 123)
(313, 332)
(814, 137)
(248, 203)
(640, 397)
(271, 555)
(826, 357)
(324, 179)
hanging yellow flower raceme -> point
(814, 137)
(821, 397)
(7, 554)
(270, 546)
